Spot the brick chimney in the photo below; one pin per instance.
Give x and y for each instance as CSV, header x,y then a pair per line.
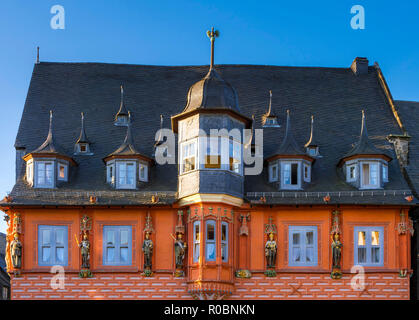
x,y
360,66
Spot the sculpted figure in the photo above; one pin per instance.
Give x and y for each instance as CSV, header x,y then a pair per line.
x,y
336,250
85,252
16,252
270,251
148,251
180,248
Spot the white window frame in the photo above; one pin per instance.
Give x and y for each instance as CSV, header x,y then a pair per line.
x,y
369,246
302,230
232,154
65,166
369,186
144,177
384,172
189,155
118,174
273,167
308,178
348,172
290,186
38,165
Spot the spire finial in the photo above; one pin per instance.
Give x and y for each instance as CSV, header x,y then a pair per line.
x,y
122,92
212,35
270,102
37,55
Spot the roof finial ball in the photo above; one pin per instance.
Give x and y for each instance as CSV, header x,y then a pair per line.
x,y
212,35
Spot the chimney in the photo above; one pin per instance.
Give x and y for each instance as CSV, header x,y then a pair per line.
x,y
401,147
360,66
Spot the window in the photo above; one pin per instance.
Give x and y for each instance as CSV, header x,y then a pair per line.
x,y
235,156
290,175
110,172
385,173
369,246
307,172
210,249
224,241
143,172
126,175
302,246
273,172
29,171
62,172
213,154
45,174
313,151
52,245
351,173
188,156
369,175
117,245
5,293
196,240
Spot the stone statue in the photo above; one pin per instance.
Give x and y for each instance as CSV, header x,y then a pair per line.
x,y
16,252
180,249
148,251
336,251
85,252
270,251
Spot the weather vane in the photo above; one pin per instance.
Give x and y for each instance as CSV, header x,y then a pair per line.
x,y
212,35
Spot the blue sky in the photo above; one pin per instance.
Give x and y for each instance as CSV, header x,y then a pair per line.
x,y
291,33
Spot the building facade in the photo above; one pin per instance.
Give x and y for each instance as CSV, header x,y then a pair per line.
x,y
279,183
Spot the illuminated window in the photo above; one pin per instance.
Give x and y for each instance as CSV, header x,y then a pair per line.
x,y
196,240
369,246
210,246
302,246
188,156
369,176
117,245
213,154
62,172
52,245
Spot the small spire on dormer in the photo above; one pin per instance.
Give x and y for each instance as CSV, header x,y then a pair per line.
x,y
289,146
121,118
312,146
127,147
37,55
269,119
82,144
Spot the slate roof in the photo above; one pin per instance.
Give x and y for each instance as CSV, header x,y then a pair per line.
x,y
409,113
335,96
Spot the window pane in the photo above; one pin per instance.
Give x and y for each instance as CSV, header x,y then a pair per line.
x,y
46,254
361,238
110,237
352,172
375,238
210,231
223,232
375,255
41,173
197,232
210,251
309,254
294,173
366,173
124,237
373,174
296,254
224,251
48,173
62,171
196,252
362,255
287,173
110,254
59,236
122,173
296,238
59,256
130,173
124,254
309,237
46,236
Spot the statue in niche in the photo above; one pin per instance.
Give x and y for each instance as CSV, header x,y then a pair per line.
x,y
16,252
336,256
85,252
180,251
270,251
148,253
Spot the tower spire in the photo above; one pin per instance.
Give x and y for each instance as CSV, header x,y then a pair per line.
x,y
212,35
37,55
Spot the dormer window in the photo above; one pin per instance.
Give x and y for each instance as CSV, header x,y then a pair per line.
x,y
110,172
29,171
273,172
369,175
351,174
44,174
269,119
125,172
62,171
143,172
313,151
270,122
307,172
82,146
122,117
385,172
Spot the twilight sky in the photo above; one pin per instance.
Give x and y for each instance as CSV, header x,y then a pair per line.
x,y
285,33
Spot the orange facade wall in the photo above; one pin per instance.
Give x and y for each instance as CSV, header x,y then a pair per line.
x,y
245,252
